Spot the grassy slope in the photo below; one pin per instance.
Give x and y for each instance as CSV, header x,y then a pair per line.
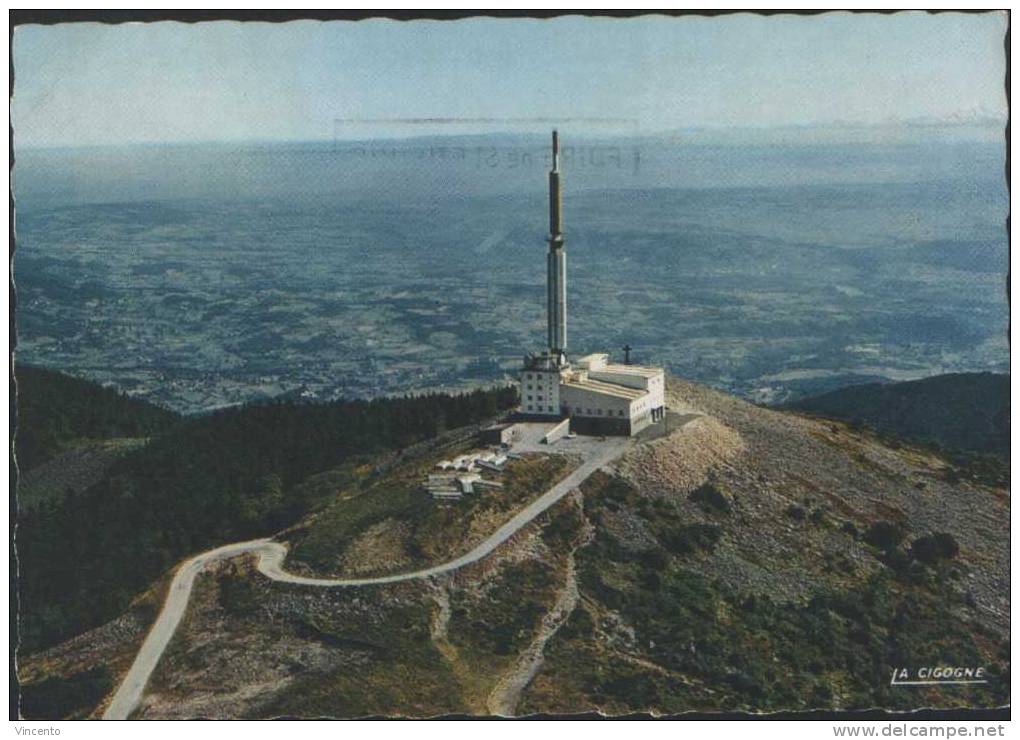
x,y
391,524
353,652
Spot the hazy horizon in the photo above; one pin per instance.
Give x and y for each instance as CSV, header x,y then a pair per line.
x,y
223,211
87,84
977,130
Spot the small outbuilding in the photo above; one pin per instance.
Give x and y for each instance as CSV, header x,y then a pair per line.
x,y
500,434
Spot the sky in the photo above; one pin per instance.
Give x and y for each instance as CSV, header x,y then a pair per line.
x,y
94,84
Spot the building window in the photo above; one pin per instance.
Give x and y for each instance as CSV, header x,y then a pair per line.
x,y
550,408
621,412
600,412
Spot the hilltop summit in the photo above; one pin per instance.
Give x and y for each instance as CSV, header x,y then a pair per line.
x,y
749,558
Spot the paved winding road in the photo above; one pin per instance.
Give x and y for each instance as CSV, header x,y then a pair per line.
x,y
271,557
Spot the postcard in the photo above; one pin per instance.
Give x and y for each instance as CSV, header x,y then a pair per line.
x,y
410,365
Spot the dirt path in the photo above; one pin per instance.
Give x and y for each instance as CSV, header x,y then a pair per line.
x,y
504,698
438,627
506,695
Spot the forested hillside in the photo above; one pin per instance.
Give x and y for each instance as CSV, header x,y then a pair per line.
x,y
56,410
209,480
961,411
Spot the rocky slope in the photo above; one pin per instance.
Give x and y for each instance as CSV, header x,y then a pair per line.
x,y
736,563
731,569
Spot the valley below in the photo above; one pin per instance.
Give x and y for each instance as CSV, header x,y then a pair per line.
x,y
362,270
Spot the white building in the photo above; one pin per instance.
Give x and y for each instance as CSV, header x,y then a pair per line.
x,y
598,396
540,390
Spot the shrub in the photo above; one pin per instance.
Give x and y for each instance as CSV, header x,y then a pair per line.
x,y
617,490
849,528
635,691
796,512
897,560
821,696
707,496
578,625
744,684
653,559
686,540
932,548
238,595
60,698
649,580
886,536
561,528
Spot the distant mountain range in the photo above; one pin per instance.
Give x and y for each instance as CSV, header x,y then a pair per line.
x,y
960,411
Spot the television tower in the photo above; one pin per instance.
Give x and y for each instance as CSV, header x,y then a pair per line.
x,y
557,263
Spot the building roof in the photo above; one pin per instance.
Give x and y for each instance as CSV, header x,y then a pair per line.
x,y
606,389
643,370
498,426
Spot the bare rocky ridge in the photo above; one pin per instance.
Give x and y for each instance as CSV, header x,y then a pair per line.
x,y
793,496
675,465
771,461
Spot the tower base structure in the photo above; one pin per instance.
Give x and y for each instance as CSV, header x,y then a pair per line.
x,y
599,397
